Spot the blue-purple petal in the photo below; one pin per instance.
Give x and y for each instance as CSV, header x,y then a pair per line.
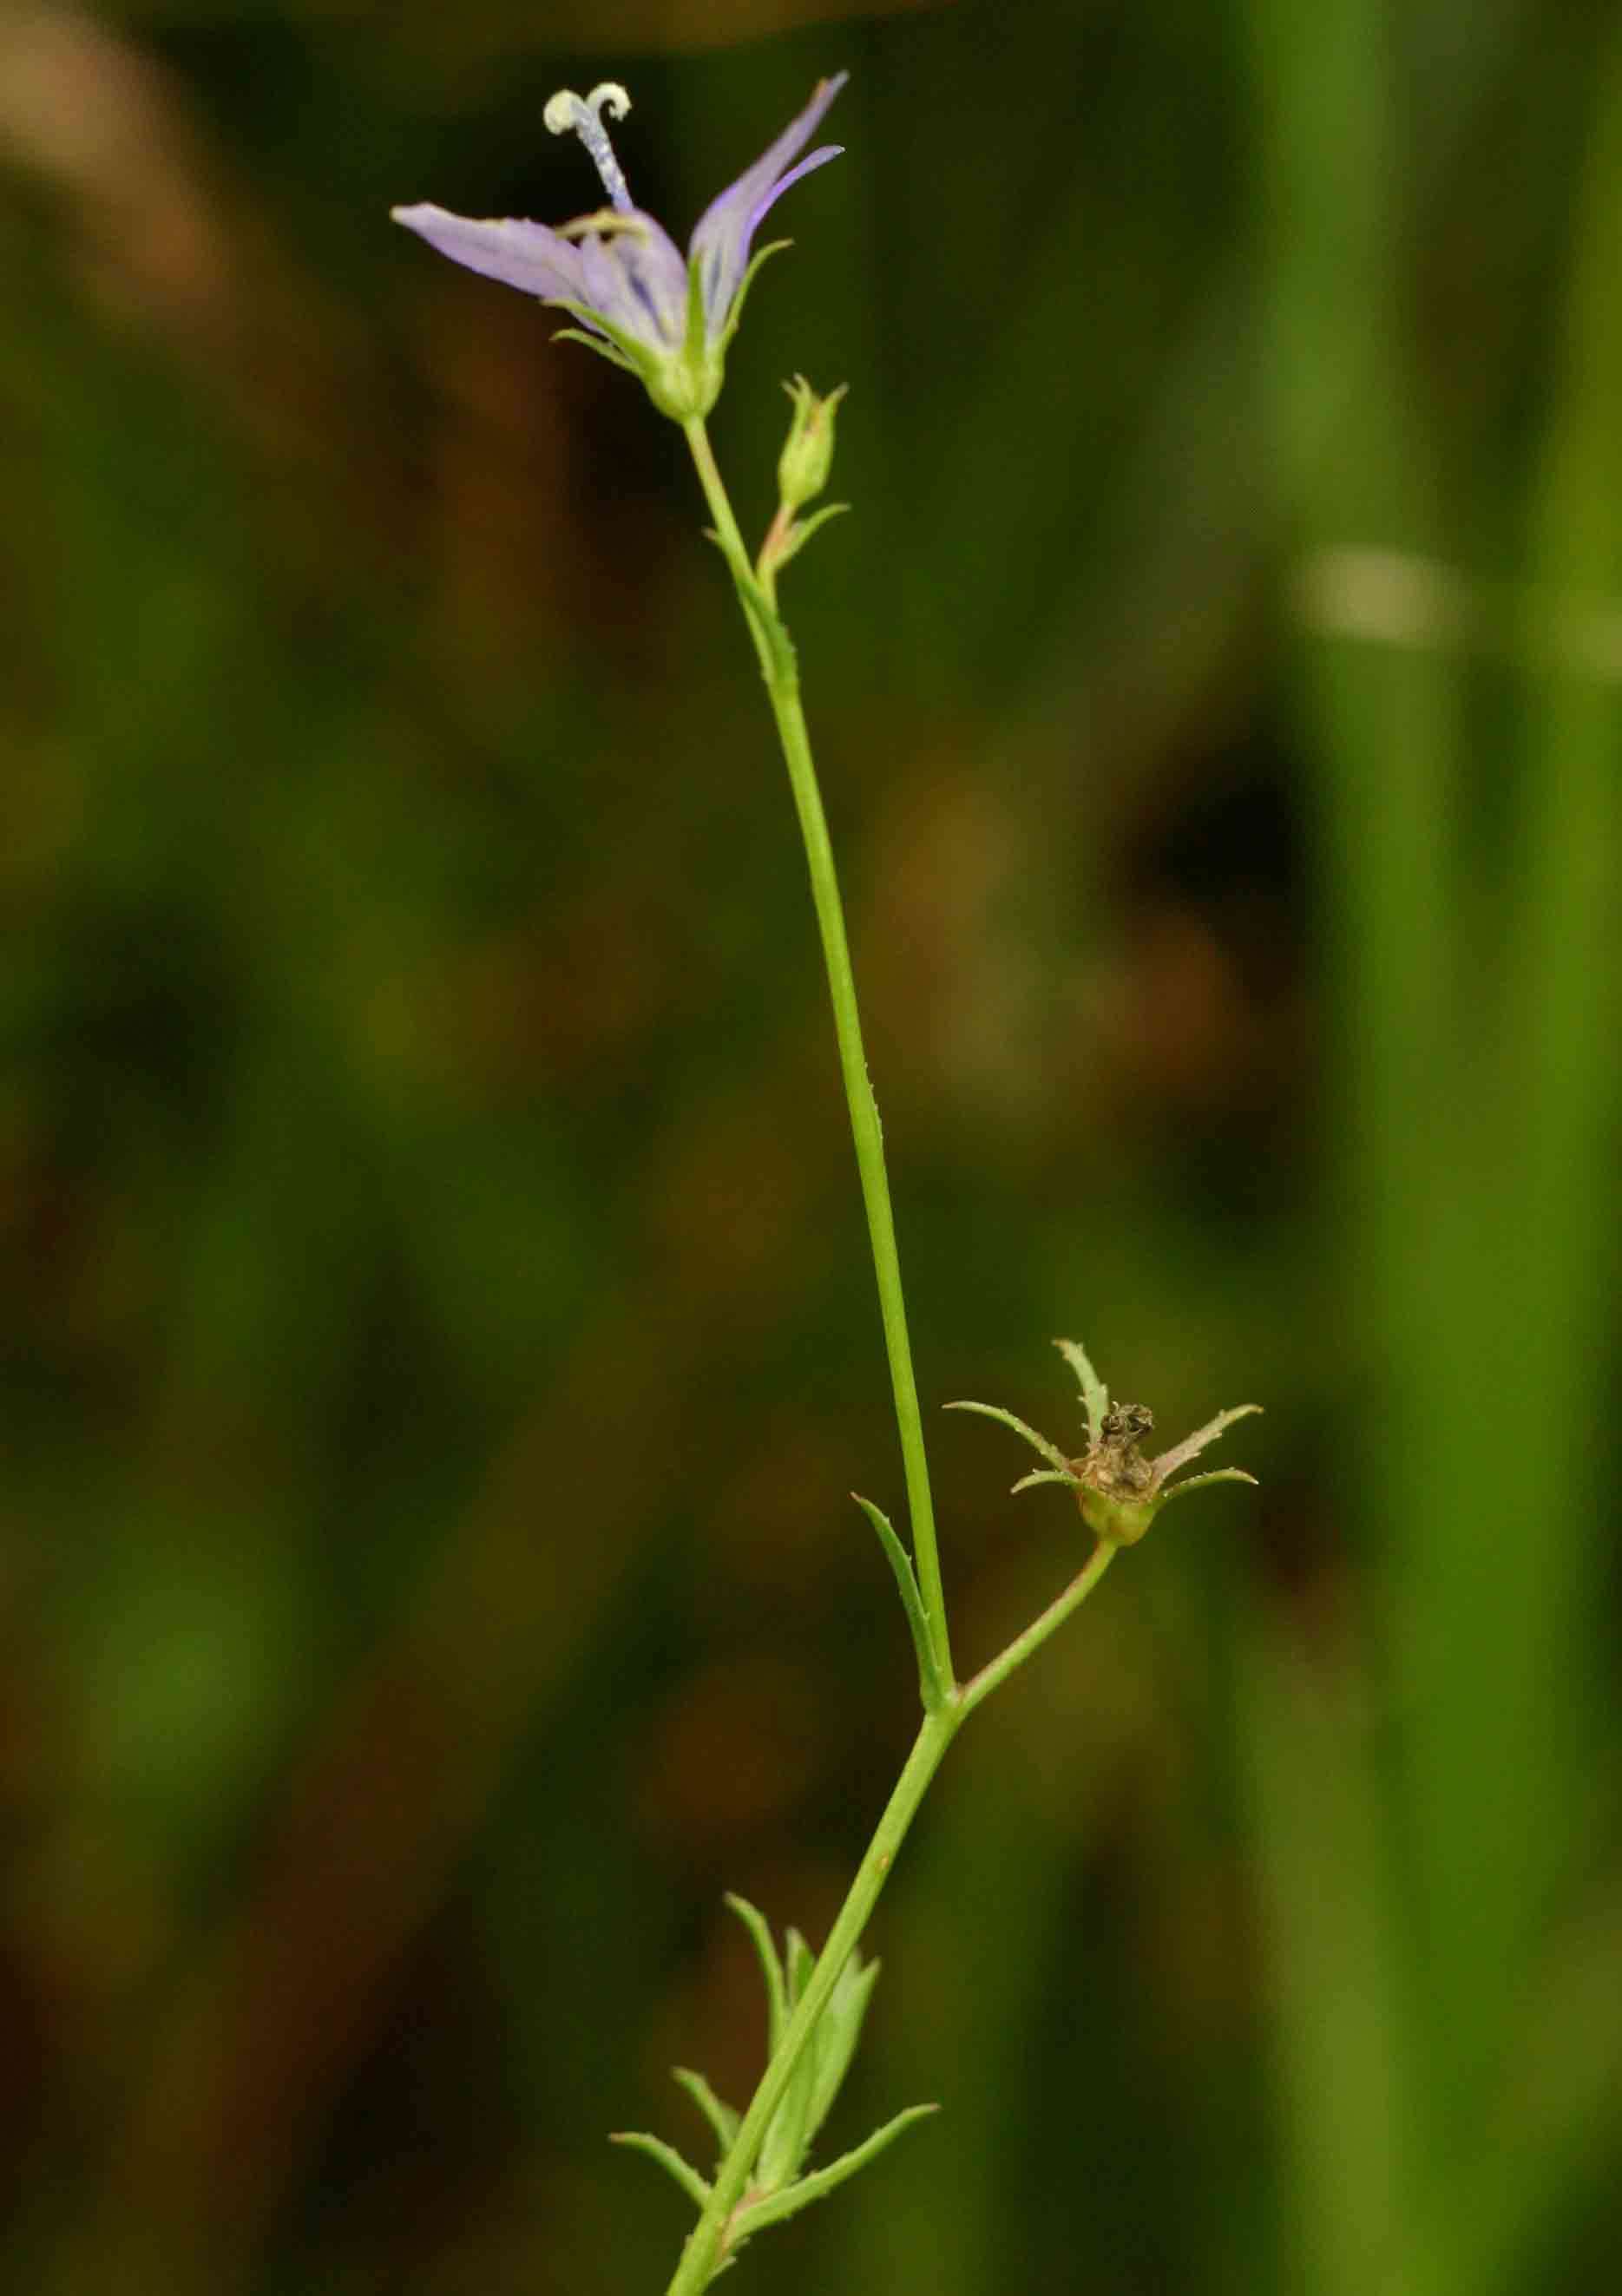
x,y
636,278
719,247
823,152
523,255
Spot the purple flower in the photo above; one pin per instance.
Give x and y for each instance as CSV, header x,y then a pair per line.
x,y
640,302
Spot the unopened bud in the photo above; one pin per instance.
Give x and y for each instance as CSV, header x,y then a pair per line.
x,y
807,455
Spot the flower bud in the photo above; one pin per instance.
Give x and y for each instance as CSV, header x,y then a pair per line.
x,y
807,455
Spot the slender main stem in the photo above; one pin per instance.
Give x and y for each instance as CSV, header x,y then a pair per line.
x,y
702,2253
776,656
707,2244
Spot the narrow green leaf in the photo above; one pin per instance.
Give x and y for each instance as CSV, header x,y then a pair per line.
x,y
778,2206
912,1602
1094,1394
637,2140
721,2117
1044,1475
1049,1451
776,2001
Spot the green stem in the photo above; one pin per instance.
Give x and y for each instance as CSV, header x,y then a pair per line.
x,y
991,1678
706,2247
703,2254
777,667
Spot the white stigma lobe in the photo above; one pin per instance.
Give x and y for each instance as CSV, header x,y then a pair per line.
x,y
567,113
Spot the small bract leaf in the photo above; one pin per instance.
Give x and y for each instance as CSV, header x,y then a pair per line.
x,y
759,1929
912,1602
637,2140
803,529
721,2117
778,2206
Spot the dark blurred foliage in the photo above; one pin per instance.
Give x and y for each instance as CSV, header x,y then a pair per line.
x,y
441,1336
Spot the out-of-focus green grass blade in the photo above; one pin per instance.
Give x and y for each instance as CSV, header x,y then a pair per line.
x,y
1347,423
1562,1066
1496,1570
1475,1093
1551,2129
1333,1959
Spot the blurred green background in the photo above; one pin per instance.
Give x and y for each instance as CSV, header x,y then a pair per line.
x,y
440,1335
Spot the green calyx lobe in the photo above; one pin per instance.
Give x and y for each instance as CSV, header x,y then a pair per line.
x,y
1118,1490
684,384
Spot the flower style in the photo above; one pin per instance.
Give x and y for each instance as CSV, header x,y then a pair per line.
x,y
666,318
1118,1490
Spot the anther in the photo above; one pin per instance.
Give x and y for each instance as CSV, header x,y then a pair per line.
x,y
567,112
